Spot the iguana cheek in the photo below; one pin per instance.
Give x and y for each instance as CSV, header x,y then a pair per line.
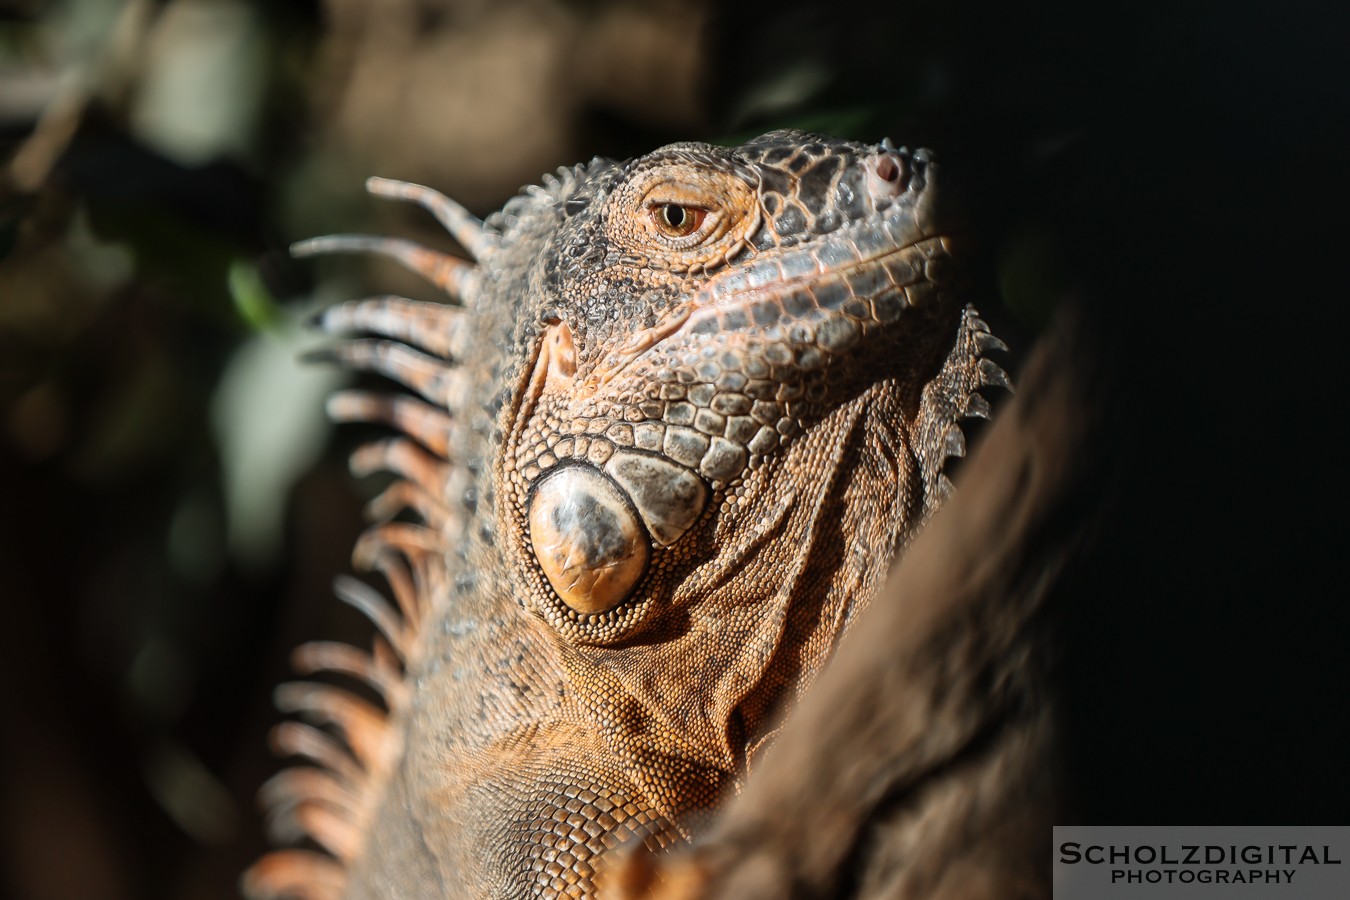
x,y
587,539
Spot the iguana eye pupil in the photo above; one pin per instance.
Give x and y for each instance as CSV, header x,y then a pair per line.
x,y
677,220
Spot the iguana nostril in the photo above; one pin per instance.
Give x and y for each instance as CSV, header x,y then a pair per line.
x,y
587,539
887,175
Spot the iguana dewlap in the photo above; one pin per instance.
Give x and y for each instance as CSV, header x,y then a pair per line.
x,y
669,435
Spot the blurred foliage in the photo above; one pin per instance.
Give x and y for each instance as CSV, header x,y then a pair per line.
x,y
174,506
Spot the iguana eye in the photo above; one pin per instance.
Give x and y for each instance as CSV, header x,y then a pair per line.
x,y
677,220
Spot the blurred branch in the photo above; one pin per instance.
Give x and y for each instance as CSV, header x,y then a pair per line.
x,y
108,75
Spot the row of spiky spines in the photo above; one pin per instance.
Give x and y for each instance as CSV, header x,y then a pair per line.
x,y
987,374
346,743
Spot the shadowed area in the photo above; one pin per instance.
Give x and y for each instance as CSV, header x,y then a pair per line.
x,y
175,505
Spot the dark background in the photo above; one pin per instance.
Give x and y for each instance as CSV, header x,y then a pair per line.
x,y
164,541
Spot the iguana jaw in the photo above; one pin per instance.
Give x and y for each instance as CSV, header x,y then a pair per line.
x,y
754,298
882,287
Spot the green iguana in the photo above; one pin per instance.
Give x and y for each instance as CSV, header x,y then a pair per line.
x,y
674,427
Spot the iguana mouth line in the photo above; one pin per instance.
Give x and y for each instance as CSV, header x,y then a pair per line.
x,y
744,298
709,303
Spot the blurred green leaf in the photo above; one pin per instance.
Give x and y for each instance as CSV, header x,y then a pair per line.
x,y
254,302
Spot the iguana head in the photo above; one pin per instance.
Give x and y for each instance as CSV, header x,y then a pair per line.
x,y
696,312
744,370
691,406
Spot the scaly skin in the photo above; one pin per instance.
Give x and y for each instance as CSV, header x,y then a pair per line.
x,y
662,473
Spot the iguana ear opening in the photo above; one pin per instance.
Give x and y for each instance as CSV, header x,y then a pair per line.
x,y
560,354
